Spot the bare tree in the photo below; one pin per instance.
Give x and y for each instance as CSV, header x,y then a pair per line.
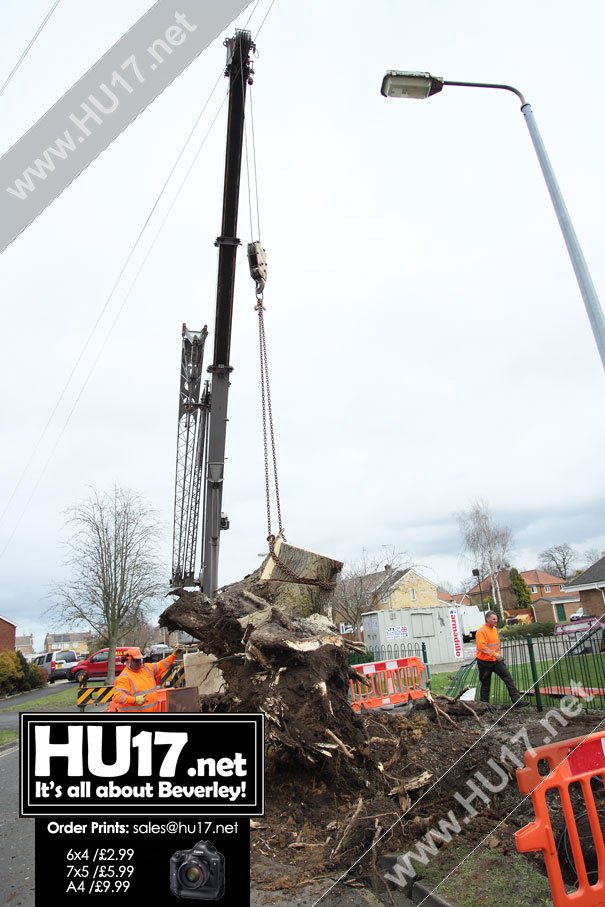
x,y
359,584
488,545
590,556
114,569
559,560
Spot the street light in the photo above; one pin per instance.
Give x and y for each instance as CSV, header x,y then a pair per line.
x,y
420,85
478,575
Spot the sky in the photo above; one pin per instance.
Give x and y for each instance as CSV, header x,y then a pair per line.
x,y
428,343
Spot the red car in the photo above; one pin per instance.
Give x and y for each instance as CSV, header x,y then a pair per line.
x,y
95,666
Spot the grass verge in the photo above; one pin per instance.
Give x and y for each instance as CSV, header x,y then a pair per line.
x,y
440,683
8,737
486,879
62,699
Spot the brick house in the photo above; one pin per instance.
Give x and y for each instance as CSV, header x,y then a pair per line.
x,y
384,590
556,608
541,586
403,589
25,644
590,586
8,632
78,641
459,598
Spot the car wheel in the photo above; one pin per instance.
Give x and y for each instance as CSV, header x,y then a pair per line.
x,y
81,677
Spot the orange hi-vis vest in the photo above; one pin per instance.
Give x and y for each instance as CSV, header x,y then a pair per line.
x,y
138,683
488,643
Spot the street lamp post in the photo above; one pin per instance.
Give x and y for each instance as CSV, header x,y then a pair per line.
x,y
397,84
478,575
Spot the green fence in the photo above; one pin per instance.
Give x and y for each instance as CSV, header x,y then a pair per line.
x,y
548,667
388,653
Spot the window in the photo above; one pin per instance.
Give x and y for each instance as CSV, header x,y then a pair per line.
x,y
533,589
384,598
413,594
100,656
547,588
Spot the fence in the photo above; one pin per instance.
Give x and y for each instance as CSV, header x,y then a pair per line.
x,y
389,653
388,683
549,667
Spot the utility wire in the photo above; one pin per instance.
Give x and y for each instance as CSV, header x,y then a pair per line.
x,y
29,46
110,296
104,344
93,330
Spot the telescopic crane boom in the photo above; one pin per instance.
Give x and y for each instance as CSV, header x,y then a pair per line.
x,y
213,406
239,70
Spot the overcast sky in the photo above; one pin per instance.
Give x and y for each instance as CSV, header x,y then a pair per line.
x,y
428,343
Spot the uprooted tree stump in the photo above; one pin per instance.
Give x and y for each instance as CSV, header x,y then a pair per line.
x,y
292,669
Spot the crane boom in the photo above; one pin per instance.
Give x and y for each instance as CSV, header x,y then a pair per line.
x,y
203,422
239,71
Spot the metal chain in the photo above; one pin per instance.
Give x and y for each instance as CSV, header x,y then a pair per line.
x,y
271,431
269,437
267,414
259,309
326,584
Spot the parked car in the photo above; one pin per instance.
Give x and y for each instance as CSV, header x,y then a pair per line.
x,y
584,633
56,664
580,626
95,666
157,652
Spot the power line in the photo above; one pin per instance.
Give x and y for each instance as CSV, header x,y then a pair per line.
x,y
29,46
108,300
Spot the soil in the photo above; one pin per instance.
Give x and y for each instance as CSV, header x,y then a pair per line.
x,y
345,790
316,829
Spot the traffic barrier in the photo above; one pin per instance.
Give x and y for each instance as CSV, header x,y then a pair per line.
x,y
93,696
390,683
548,775
174,676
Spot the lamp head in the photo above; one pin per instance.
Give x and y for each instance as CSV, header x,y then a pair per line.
x,y
398,84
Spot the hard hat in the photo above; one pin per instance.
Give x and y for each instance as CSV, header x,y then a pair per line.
x,y
134,652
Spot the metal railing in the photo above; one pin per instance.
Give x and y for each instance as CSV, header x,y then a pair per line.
x,y
387,653
548,667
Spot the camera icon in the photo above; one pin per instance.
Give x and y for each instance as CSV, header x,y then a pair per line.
x,y
198,873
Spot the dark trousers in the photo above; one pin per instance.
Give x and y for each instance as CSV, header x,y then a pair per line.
x,y
486,669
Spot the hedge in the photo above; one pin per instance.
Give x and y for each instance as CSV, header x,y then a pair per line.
x,y
516,631
17,675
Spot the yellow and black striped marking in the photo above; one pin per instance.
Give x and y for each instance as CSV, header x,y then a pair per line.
x,y
174,676
93,696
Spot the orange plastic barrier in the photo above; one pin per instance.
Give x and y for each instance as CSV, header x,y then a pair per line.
x,y
571,761
391,683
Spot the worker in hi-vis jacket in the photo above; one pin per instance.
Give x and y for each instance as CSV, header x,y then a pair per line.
x,y
490,659
136,688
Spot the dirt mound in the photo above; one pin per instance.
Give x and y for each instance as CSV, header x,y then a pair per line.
x,y
344,790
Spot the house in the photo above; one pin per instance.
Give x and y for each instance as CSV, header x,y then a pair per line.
x,y
590,586
403,589
555,608
25,644
79,641
459,598
384,590
8,632
541,585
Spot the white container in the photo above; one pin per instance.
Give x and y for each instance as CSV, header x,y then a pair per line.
x,y
439,628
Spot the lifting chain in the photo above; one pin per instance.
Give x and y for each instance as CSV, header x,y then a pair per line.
x,y
258,270
326,584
